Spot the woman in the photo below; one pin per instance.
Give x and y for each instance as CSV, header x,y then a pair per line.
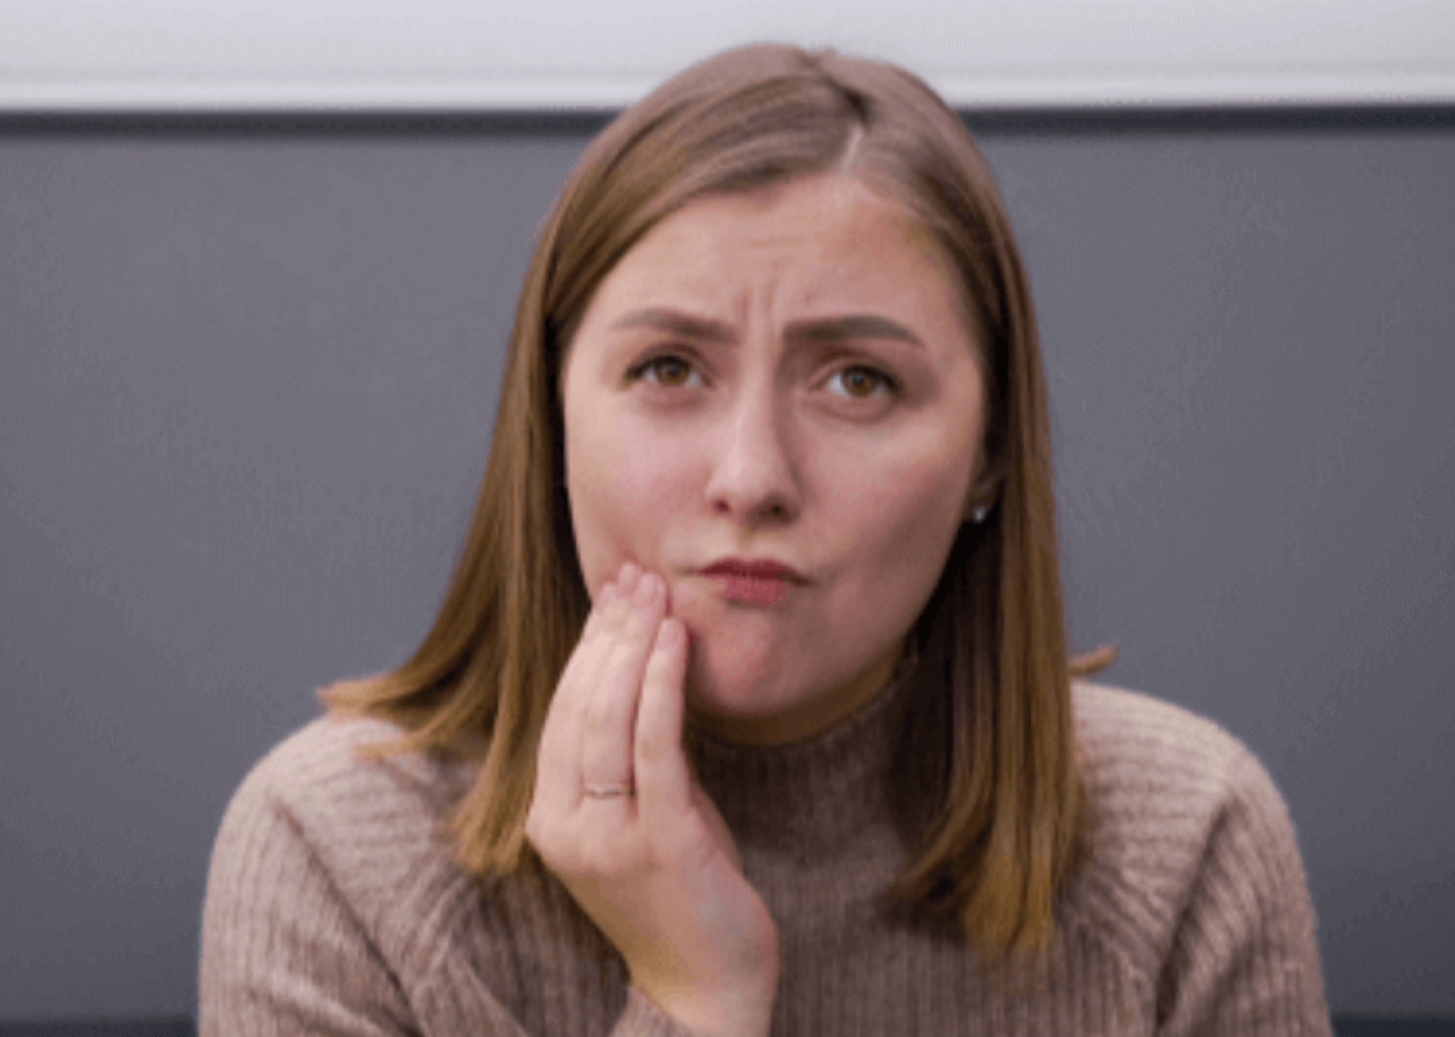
x,y
748,709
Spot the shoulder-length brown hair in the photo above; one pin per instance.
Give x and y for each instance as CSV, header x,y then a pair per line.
x,y
989,760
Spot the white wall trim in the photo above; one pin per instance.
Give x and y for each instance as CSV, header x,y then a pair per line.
x,y
459,55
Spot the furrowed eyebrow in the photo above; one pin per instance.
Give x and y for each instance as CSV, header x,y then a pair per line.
x,y
832,329
837,329
677,323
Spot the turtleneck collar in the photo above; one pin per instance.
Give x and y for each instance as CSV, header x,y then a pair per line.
x,y
809,797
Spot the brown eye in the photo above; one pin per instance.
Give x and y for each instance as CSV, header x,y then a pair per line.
x,y
858,378
860,381
670,371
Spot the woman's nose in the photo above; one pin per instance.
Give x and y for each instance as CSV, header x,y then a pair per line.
x,y
755,477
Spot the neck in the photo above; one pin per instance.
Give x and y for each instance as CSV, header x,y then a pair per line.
x,y
818,795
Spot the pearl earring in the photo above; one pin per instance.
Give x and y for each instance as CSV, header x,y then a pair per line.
x,y
979,515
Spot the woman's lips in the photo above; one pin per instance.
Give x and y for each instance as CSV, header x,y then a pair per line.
x,y
751,590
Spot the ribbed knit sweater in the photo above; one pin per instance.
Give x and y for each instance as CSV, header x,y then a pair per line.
x,y
334,906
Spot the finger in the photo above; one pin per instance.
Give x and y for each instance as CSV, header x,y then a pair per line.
x,y
664,781
608,612
610,716
558,756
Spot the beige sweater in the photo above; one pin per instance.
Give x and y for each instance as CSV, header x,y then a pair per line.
x,y
333,906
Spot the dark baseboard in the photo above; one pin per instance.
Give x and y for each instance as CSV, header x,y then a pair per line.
x,y
1344,1026
587,122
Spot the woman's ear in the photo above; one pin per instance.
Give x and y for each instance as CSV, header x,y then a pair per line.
x,y
983,493
976,511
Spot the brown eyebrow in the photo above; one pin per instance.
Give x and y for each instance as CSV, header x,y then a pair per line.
x,y
677,323
856,325
831,329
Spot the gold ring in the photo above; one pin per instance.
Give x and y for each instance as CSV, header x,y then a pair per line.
x,y
607,791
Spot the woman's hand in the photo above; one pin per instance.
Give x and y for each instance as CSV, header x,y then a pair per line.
x,y
657,872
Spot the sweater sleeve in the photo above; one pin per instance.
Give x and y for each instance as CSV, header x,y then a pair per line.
x,y
285,951
282,953
452,999
1245,960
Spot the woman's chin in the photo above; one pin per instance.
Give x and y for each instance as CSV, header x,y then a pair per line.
x,y
757,707
744,687
712,697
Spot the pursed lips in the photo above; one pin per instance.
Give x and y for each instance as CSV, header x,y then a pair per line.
x,y
753,582
755,569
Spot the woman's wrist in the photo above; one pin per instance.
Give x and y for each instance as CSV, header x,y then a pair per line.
x,y
744,1012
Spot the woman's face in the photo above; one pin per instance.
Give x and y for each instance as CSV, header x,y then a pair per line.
x,y
786,375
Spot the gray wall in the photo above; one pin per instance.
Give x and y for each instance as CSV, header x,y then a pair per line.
x,y
247,383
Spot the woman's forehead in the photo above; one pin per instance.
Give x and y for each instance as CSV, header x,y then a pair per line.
x,y
820,233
